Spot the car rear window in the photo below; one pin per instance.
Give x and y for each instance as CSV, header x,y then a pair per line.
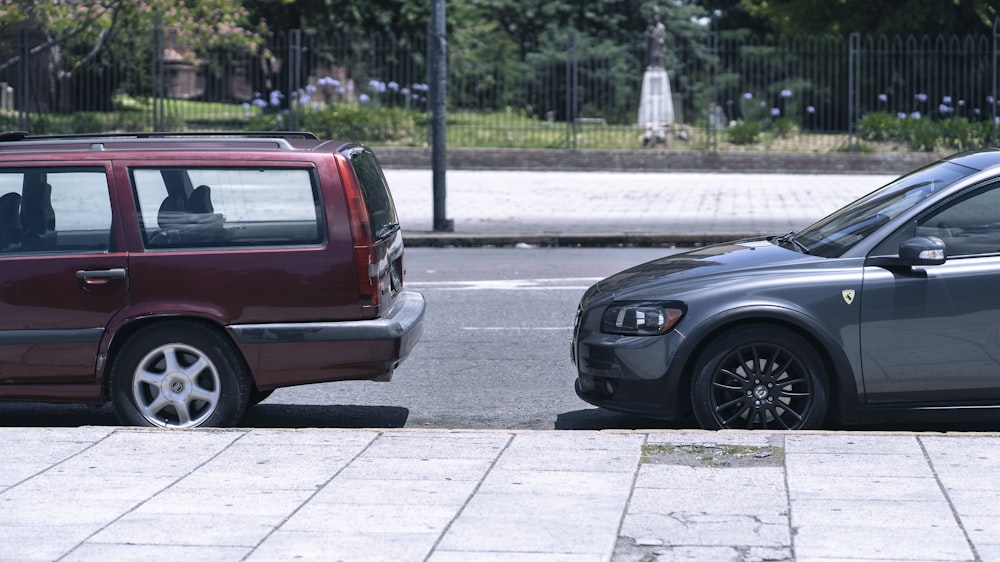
x,y
185,207
381,210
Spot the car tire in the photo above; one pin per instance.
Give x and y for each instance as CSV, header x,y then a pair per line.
x,y
179,374
760,377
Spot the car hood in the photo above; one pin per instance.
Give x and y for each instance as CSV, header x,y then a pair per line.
x,y
735,259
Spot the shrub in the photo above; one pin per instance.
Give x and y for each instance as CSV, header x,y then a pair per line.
x,y
879,126
920,134
744,132
348,121
783,127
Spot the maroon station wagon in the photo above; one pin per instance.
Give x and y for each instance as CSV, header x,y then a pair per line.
x,y
185,277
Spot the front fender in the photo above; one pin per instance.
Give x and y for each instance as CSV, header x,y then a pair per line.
x,y
845,373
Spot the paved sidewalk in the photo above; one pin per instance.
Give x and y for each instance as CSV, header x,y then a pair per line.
x,y
606,208
100,493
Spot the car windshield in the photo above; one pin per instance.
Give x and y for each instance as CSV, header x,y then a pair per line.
x,y
837,233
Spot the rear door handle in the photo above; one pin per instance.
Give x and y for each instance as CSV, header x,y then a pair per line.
x,y
100,276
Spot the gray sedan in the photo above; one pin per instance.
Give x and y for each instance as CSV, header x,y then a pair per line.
x,y
889,305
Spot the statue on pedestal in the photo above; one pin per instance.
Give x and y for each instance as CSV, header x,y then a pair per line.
x,y
656,39
656,105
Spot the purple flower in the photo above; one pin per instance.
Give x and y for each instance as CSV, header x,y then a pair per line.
x,y
310,88
775,112
883,98
786,93
394,86
915,115
748,96
944,108
946,99
810,109
921,97
901,115
363,98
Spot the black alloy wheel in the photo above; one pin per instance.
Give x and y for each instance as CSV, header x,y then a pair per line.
x,y
760,377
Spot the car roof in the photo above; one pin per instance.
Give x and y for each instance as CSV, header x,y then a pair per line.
x,y
21,142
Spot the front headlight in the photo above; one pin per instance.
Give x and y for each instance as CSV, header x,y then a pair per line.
x,y
641,318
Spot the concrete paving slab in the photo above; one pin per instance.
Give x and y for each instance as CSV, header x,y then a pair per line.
x,y
853,443
48,542
383,468
225,501
875,542
207,529
825,487
974,502
459,556
728,437
399,493
692,528
438,445
847,464
545,482
371,519
889,514
157,553
555,524
324,547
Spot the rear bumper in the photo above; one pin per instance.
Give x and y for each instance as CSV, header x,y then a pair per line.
x,y
297,353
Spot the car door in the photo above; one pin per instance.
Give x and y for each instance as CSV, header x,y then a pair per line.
x,y
932,334
61,275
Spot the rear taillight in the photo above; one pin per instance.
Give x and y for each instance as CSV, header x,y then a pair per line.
x,y
366,257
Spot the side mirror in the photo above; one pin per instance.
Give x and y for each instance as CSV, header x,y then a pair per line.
x,y
921,250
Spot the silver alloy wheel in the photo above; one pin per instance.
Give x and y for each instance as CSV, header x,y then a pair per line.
x,y
176,385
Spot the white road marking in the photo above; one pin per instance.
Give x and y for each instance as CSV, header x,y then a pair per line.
x,y
573,283
503,328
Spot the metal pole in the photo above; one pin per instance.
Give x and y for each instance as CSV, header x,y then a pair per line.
x,y
294,75
439,94
158,90
24,85
711,126
853,93
996,80
571,83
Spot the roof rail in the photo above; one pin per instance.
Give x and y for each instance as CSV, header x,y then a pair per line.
x,y
22,135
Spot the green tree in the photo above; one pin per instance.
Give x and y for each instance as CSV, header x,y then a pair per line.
x,y
889,17
72,33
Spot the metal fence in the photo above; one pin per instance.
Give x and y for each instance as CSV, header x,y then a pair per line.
x,y
573,91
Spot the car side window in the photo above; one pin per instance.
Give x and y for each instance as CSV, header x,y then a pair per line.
x,y
969,225
227,207
54,210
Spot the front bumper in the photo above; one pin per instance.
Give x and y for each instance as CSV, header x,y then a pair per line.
x,y
640,375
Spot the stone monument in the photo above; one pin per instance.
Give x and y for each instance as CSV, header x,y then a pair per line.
x,y
656,105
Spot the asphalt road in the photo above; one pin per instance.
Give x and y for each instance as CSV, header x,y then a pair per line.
x,y
495,354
